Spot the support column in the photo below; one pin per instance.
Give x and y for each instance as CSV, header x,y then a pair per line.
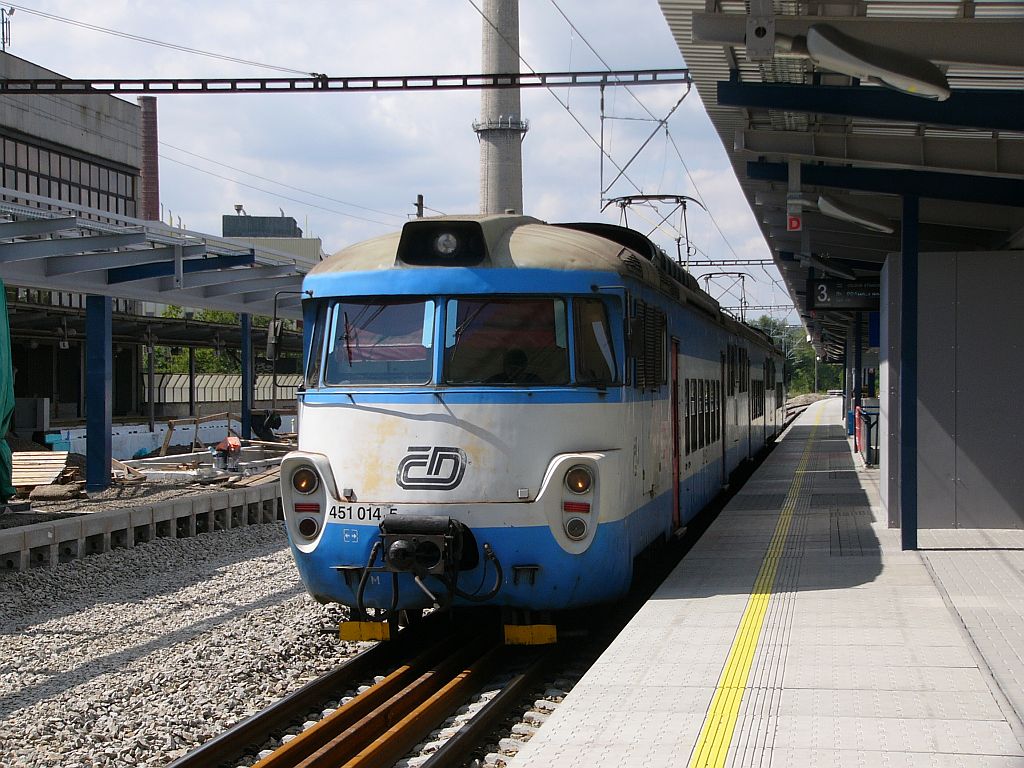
x,y
908,375
191,381
151,380
98,391
858,361
247,383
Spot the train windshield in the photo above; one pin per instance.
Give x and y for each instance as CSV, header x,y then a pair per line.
x,y
379,342
505,341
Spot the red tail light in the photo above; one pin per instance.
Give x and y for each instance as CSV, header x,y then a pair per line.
x,y
308,507
575,506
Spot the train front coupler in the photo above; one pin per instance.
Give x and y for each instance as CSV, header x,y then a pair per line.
x,y
424,546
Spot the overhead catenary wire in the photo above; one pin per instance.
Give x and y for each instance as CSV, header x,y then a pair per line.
x,y
280,183
663,122
600,58
151,41
668,135
710,214
276,194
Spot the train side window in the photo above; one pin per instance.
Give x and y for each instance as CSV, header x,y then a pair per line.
x,y
702,438
711,411
718,411
721,411
316,349
714,411
595,357
692,417
707,412
716,419
686,415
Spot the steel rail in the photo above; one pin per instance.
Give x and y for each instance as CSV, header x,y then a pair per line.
x,y
405,734
457,749
355,719
383,722
284,712
279,715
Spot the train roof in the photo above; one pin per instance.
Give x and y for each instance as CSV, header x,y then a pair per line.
x,y
523,242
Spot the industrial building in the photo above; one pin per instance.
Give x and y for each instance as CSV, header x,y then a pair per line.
x,y
80,177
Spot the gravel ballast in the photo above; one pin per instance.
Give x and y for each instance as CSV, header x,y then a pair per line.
x,y
135,656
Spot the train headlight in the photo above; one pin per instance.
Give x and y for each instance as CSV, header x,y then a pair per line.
x,y
576,528
446,244
579,479
305,480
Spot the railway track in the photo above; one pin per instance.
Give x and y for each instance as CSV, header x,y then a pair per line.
x,y
448,662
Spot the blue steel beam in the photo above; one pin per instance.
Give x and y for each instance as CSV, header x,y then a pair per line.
x,y
247,371
94,262
994,110
166,269
98,391
934,184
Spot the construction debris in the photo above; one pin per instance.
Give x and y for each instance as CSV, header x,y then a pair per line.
x,y
232,460
57,492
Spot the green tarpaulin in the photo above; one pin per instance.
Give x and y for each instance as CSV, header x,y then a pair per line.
x,y
6,398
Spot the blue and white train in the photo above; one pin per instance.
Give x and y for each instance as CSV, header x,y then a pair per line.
x,y
499,410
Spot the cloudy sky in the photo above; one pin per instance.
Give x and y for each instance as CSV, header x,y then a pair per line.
x,y
349,166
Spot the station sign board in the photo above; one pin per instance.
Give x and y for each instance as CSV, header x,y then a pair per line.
x,y
857,295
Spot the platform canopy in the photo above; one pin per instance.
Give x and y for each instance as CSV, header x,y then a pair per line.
x,y
834,113
58,246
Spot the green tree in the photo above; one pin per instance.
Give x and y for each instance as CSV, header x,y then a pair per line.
x,y
208,359
800,358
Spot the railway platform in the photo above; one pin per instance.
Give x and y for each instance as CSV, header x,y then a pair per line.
x,y
797,633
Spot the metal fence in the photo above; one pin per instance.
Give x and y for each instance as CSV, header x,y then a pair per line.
x,y
220,387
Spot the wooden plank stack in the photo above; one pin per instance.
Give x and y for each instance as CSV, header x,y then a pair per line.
x,y
32,468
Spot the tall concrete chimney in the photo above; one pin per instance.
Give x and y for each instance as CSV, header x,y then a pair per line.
x,y
501,127
149,187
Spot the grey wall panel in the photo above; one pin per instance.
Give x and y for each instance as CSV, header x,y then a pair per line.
x,y
888,399
936,387
989,370
101,125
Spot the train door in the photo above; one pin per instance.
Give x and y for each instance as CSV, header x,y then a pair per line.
x,y
676,432
723,419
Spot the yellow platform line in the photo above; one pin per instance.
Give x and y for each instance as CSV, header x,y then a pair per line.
x,y
712,745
